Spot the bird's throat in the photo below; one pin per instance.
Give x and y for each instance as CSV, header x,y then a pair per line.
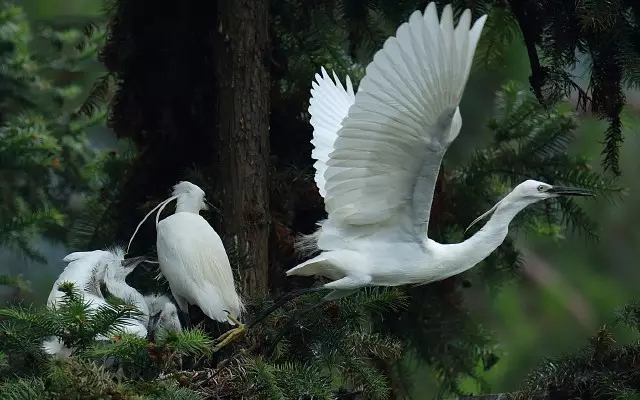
x,y
188,204
478,247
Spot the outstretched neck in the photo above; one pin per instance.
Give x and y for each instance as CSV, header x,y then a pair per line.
x,y
486,240
128,294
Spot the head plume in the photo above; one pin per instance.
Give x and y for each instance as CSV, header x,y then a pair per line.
x,y
184,187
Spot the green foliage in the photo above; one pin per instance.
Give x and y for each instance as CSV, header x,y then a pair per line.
x,y
600,370
530,143
500,30
327,350
26,372
95,225
15,281
558,33
338,352
354,345
43,147
74,321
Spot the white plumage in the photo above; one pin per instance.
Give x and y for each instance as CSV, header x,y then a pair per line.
x,y
87,270
164,314
378,155
192,257
115,281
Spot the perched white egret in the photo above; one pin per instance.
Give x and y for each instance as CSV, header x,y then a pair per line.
x,y
193,259
87,270
163,314
378,153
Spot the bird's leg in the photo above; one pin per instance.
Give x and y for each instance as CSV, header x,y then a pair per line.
x,y
231,334
282,300
187,319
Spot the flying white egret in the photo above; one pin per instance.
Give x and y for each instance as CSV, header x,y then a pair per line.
x,y
378,153
163,314
87,270
193,259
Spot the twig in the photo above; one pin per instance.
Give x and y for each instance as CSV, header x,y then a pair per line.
x,y
538,74
281,301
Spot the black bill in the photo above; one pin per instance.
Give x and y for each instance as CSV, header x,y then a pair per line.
x,y
570,191
133,261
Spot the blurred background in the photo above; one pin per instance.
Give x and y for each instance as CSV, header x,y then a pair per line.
x,y
569,285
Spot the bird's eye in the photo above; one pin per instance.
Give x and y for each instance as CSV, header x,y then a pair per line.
x,y
540,188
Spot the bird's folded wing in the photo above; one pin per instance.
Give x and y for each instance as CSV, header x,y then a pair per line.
x,y
197,263
328,106
388,151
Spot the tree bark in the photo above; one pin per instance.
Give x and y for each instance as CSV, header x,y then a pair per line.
x,y
242,139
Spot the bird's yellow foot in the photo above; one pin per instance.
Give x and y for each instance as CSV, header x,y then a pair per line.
x,y
229,335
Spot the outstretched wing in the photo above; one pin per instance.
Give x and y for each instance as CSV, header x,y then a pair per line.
x,y
388,151
328,106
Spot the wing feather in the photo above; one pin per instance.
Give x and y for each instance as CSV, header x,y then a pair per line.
x,y
328,106
387,150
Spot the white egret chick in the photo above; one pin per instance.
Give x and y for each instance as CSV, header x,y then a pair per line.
x,y
163,314
193,259
87,270
378,153
84,269
115,281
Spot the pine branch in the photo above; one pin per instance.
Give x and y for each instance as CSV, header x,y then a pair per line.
x,y
530,36
98,95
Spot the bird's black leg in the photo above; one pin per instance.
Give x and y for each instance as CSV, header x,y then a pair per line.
x,y
153,322
282,300
187,319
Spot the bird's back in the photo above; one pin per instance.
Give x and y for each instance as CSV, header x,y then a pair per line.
x,y
193,259
80,272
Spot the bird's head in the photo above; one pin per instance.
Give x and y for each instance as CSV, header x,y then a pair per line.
x,y
532,191
188,193
118,268
169,320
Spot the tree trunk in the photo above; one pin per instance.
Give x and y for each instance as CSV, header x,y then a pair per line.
x,y
242,139
161,56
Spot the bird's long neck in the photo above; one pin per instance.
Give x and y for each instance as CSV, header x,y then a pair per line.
x,y
486,240
119,288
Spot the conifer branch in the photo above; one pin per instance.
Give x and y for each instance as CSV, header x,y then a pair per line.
x,y
530,37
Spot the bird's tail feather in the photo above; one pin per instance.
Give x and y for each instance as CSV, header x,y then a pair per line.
x,y
309,267
306,245
339,293
215,306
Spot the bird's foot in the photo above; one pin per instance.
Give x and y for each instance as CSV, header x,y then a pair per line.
x,y
229,335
